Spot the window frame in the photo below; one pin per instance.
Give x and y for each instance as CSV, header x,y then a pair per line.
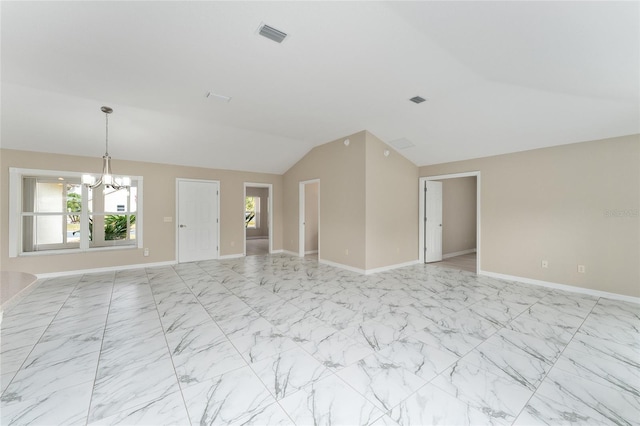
x,y
16,176
256,208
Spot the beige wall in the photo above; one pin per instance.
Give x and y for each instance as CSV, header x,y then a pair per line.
x,y
571,204
159,202
458,214
311,217
391,206
368,203
341,170
262,231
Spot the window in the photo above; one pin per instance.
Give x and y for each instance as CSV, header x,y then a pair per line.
x,y
252,212
53,212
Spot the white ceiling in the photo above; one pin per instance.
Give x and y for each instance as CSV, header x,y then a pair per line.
x,y
500,77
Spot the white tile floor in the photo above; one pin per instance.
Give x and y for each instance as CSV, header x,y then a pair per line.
x,y
280,340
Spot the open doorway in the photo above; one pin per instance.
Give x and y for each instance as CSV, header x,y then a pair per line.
x,y
257,219
453,238
309,232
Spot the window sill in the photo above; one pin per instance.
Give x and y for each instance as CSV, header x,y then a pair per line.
x,y
77,251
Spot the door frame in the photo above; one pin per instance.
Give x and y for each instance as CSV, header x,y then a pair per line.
x,y
425,204
177,217
269,207
421,212
301,216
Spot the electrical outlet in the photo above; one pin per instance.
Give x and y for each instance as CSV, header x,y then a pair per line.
x,y
346,251
581,269
146,252
545,264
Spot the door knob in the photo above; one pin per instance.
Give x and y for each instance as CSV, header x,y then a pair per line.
x,y
183,226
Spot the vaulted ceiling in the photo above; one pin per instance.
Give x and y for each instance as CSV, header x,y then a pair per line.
x,y
499,77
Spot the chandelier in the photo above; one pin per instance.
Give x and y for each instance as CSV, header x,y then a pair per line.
x,y
107,178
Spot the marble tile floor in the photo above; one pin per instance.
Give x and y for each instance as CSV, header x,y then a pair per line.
x,y
279,340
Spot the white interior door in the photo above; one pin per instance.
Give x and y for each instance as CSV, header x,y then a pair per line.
x,y
198,219
433,221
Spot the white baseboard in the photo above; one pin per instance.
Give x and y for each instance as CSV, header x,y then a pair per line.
x,y
458,253
290,253
565,287
311,252
18,297
368,271
258,237
231,256
390,267
341,266
107,269
277,251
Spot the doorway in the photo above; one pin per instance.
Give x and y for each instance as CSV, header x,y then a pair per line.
x,y
457,197
258,220
198,213
309,230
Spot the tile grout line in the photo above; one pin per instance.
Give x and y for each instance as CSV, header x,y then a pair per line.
x,y
331,372
43,331
557,359
164,335
104,331
229,340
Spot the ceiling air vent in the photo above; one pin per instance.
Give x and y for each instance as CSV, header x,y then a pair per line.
x,y
402,143
417,99
271,33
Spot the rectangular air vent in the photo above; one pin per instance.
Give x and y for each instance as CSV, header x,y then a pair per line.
x,y
271,33
417,99
402,143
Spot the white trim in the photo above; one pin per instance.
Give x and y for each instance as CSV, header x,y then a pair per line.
x,y
311,252
55,252
15,203
139,213
458,253
301,215
341,266
19,296
15,212
177,221
290,253
270,212
280,251
368,271
258,237
565,287
231,256
390,267
421,181
105,269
